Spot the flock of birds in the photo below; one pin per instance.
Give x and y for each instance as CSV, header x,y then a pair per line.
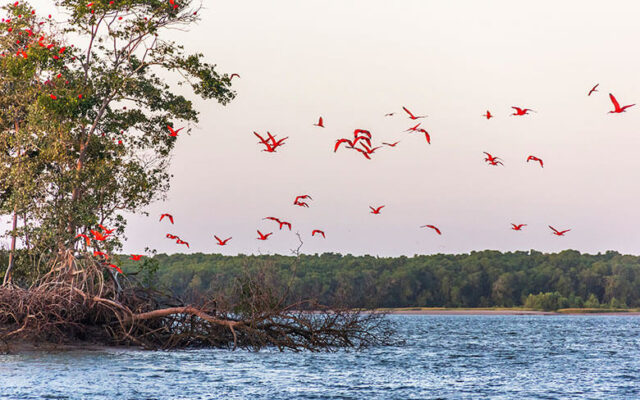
x,y
362,142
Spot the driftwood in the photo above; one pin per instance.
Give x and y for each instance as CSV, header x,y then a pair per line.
x,y
83,300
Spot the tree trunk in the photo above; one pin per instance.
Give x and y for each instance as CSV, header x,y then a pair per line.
x,y
12,251
7,275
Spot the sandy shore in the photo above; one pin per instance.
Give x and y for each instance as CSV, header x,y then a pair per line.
x,y
504,311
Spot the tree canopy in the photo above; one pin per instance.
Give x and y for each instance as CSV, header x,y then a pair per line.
x,y
479,279
85,112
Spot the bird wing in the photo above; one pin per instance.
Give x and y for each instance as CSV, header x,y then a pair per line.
x,y
408,112
363,131
614,101
553,229
339,142
263,140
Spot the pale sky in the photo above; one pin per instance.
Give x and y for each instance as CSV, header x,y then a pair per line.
x,y
352,61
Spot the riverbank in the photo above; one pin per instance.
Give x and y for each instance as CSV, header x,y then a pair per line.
x,y
507,311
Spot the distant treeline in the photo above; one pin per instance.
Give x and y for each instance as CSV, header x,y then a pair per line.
x,y
479,279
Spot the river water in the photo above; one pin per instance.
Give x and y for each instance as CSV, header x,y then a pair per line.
x,y
447,357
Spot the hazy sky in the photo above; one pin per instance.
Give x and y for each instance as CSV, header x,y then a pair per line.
x,y
352,61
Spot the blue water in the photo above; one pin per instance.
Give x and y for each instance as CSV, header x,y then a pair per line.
x,y
450,357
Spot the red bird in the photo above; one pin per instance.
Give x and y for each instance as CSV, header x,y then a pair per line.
x,y
234,75
105,230
263,236
492,160
271,144
318,231
521,111
101,254
517,227
376,210
432,227
99,236
180,241
281,223
618,109
593,89
320,123
284,223
53,97
389,114
361,131
116,268
168,216
220,241
391,144
301,197
558,233
426,134
170,236
174,133
411,115
534,158
86,238
135,257
488,115
340,141
414,128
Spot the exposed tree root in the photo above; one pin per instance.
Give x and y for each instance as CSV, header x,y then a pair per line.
x,y
80,300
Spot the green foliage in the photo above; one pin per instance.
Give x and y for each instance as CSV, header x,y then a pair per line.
x,y
479,279
84,110
547,301
592,302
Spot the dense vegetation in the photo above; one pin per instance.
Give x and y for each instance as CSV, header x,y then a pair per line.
x,y
480,279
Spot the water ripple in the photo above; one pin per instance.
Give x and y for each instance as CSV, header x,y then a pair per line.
x,y
443,357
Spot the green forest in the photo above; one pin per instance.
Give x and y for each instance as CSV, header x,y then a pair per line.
x,y
479,279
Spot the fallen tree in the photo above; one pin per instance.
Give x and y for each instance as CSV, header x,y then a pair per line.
x,y
81,299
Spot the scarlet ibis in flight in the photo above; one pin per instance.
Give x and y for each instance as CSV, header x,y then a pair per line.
x,y
432,227
521,111
319,232
593,89
616,105
320,123
264,236
534,158
116,268
168,216
220,241
492,160
517,227
98,236
101,254
414,128
301,197
557,232
411,116
174,132
376,210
